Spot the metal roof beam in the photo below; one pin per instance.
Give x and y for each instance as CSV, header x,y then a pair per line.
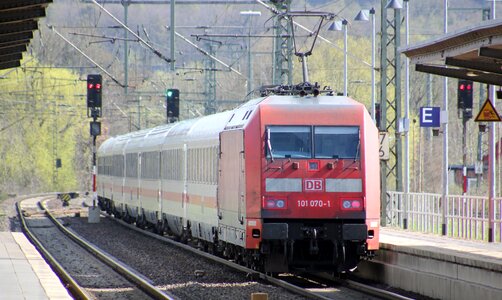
x,y
14,43
490,52
15,37
16,4
22,15
11,57
12,49
474,65
18,27
488,78
182,2
8,65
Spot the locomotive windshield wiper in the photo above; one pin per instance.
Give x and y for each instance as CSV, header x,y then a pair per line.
x,y
357,151
269,145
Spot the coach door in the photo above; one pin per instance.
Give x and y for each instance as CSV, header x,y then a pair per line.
x,y
231,184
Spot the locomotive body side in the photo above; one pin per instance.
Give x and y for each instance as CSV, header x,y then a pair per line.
x,y
198,188
104,181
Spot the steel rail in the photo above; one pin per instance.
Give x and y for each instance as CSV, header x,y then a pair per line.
x,y
252,273
374,291
75,289
114,264
361,287
351,284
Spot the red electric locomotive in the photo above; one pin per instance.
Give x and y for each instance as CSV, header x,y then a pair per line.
x,y
305,174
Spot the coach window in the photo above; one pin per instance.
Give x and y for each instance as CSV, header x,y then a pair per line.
x,y
289,142
336,142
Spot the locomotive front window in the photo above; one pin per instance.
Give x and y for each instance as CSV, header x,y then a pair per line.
x,y
289,142
337,142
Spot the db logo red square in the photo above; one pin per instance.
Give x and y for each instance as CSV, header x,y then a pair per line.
x,y
313,185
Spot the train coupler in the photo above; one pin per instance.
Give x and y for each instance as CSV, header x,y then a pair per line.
x,y
313,247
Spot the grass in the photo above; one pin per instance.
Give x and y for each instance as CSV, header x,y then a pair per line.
x,y
3,196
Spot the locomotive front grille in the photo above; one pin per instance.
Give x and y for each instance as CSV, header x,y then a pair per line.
x,y
303,231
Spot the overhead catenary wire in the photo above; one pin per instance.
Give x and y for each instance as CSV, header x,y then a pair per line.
x,y
209,55
275,11
86,56
155,51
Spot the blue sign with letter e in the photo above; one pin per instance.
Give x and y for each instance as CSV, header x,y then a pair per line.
x,y
430,116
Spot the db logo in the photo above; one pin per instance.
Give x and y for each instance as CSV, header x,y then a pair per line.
x,y
313,185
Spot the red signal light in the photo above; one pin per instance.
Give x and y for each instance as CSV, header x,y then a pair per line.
x,y
90,86
469,87
461,87
98,86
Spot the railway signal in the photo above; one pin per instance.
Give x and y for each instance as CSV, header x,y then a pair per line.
x,y
173,105
95,128
464,98
94,90
94,97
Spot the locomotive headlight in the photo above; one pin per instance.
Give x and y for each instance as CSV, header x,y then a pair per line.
x,y
274,204
346,204
351,204
280,203
270,204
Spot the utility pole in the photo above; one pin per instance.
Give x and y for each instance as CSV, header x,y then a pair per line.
x,y
491,161
210,83
55,146
445,192
390,105
173,35
125,3
283,46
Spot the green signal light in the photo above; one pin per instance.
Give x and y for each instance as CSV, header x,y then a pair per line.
x,y
169,93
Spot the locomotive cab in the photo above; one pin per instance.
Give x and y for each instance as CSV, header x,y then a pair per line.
x,y
314,188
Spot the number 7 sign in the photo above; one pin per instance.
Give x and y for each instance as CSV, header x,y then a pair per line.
x,y
384,146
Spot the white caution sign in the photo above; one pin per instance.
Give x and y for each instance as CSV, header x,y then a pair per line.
x,y
384,146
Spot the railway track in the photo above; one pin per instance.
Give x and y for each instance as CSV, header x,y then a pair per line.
x,y
188,273
310,286
87,273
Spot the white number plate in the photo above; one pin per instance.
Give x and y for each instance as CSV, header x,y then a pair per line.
x,y
314,203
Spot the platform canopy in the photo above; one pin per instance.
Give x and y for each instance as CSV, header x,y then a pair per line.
x,y
474,53
18,20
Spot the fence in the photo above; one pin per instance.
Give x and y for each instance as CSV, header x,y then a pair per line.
x,y
465,217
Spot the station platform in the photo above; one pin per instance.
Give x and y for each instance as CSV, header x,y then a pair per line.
x,y
436,266
442,247
24,273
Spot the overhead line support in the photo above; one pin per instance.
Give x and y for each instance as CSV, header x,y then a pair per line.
x,y
86,56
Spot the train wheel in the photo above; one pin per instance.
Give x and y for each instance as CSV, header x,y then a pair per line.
x,y
127,218
140,223
159,228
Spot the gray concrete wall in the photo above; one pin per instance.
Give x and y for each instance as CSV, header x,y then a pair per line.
x,y
435,274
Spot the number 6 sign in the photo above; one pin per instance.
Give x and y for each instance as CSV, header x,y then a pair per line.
x,y
384,146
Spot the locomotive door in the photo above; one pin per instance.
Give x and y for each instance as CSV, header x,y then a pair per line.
x,y
231,184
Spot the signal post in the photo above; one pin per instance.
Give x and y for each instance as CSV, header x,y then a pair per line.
x,y
94,92
464,106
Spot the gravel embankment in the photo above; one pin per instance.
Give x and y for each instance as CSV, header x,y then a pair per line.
x,y
97,278
8,215
184,274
